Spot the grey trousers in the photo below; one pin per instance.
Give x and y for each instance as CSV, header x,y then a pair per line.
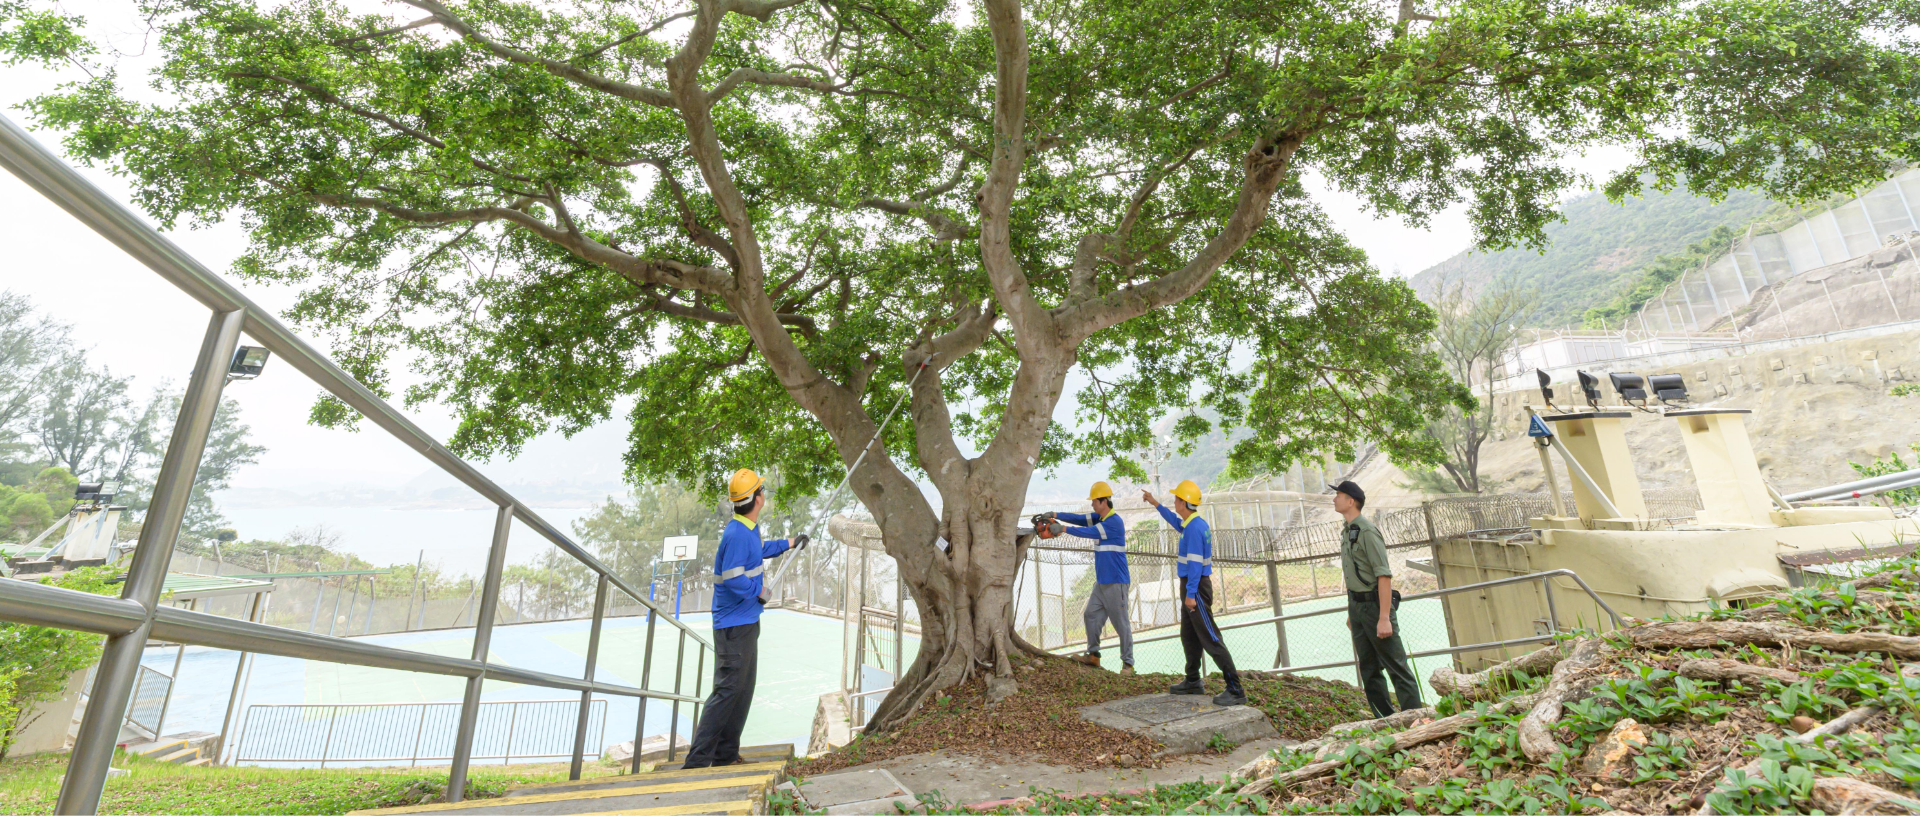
x,y
1109,603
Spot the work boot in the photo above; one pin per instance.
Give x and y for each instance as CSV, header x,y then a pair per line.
x,y
1087,660
1191,685
1231,697
1127,670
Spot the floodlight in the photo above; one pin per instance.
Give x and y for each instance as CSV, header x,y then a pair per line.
x,y
247,363
1590,386
95,492
1546,386
1669,387
1630,387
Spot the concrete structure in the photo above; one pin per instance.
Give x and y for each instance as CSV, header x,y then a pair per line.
x,y
1646,567
1183,723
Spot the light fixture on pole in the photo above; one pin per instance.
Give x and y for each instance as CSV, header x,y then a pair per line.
x,y
247,363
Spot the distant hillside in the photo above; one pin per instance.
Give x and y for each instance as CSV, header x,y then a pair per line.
x,y
1597,249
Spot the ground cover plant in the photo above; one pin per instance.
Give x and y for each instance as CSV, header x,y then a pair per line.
x,y
1046,723
1805,701
30,785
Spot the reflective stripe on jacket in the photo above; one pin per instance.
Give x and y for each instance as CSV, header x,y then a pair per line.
x,y
738,570
1196,547
1109,534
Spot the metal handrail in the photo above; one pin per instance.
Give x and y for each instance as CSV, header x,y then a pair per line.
x,y
131,620
53,178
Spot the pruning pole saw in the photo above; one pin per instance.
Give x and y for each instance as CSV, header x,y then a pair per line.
x,y
781,573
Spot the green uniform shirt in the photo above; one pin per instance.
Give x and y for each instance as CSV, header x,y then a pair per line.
x,y
1363,555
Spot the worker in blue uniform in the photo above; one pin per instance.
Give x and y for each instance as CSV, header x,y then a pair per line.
x,y
738,596
1198,632
1112,583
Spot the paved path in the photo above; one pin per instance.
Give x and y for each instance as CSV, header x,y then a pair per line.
x,y
964,779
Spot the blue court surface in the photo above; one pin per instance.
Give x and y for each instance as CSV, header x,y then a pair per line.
x,y
800,659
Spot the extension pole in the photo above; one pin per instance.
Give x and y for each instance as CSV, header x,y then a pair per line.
x,y
788,562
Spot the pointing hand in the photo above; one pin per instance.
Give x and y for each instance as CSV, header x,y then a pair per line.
x,y
1147,496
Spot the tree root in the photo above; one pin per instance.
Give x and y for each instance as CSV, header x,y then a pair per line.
x,y
1832,728
1724,671
1494,680
1264,780
1706,634
1536,729
1847,795
1886,579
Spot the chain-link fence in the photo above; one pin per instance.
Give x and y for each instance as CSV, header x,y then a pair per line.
x,y
1279,594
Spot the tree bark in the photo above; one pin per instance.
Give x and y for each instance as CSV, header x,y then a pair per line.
x,y
1491,682
1723,670
1536,735
1847,795
1707,634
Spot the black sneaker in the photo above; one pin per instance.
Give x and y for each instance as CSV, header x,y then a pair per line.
x,y
1230,697
1188,687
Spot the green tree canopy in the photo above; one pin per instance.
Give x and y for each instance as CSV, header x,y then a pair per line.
x,y
758,218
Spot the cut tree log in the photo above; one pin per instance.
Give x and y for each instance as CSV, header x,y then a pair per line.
x,y
1706,634
1417,735
1832,728
1491,682
1536,729
1724,670
1847,795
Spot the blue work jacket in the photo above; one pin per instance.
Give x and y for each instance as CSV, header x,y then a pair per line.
x,y
1196,548
1109,534
737,572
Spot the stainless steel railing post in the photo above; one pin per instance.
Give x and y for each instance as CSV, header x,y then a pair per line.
x,y
482,637
646,677
679,673
113,683
699,682
586,697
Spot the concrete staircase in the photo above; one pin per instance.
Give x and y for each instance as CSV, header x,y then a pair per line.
x,y
184,749
669,790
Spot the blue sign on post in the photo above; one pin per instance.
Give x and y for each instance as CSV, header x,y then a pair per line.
x,y
1537,428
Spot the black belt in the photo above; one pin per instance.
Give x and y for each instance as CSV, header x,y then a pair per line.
x,y
1372,596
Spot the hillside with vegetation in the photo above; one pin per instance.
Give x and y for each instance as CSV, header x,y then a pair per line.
x,y
1599,250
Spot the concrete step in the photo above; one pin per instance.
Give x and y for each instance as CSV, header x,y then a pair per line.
x,y
202,762
779,752
156,748
737,790
656,778
181,757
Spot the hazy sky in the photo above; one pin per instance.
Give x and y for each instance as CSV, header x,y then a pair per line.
x,y
136,323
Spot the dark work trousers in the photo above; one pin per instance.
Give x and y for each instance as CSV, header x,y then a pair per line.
x,y
1198,634
736,655
1379,658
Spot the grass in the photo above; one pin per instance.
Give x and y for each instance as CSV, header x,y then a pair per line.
x,y
30,785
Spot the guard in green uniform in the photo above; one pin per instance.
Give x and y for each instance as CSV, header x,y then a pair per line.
x,y
1373,606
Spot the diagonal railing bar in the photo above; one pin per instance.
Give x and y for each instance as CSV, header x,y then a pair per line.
x,y
131,620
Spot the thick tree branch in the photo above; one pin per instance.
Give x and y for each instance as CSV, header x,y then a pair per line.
x,y
772,79
584,78
1032,326
1266,164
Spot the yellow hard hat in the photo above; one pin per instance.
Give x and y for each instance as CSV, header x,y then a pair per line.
x,y
1101,490
740,488
1189,492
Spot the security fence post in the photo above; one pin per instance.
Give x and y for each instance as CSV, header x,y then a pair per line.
x,y
1279,627
147,574
482,637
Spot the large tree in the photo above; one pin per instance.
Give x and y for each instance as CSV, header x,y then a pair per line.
x,y
761,219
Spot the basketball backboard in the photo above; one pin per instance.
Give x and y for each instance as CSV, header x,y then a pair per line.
x,y
680,548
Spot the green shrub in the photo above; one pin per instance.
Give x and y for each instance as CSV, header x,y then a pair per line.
x,y
35,661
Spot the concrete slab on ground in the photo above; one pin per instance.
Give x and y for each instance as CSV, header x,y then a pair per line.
x,y
867,790
1184,723
965,779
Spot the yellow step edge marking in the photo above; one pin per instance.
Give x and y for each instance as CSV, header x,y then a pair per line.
x,y
742,807
511,802
764,767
